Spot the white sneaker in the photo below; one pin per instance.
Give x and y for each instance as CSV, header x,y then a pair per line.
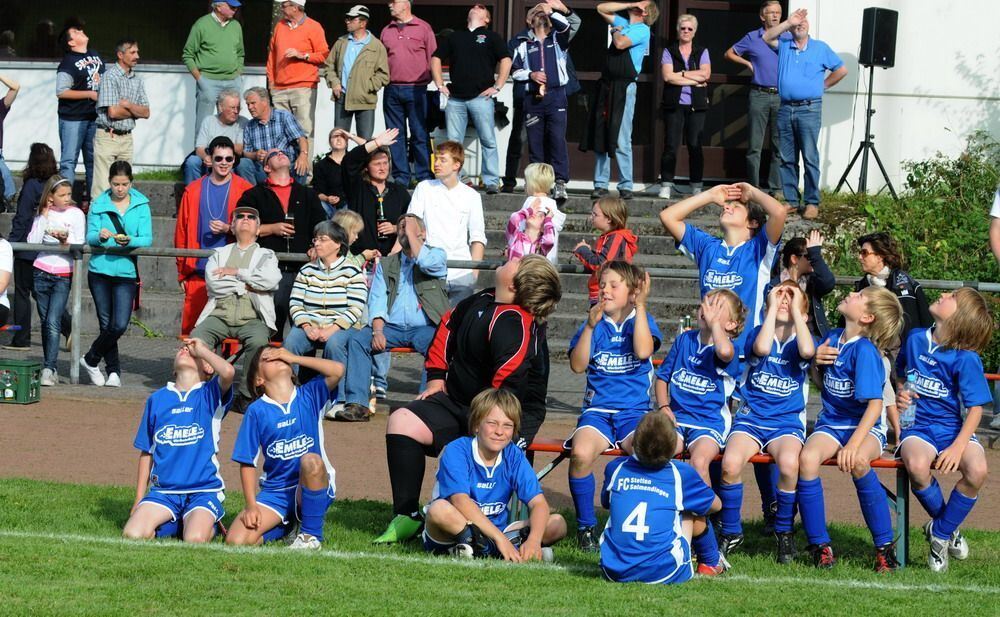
x,y
696,187
958,548
49,377
94,372
666,191
113,381
331,413
305,542
937,557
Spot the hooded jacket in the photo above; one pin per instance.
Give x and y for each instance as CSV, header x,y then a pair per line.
x,y
620,244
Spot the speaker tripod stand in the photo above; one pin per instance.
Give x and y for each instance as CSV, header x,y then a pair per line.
x,y
866,145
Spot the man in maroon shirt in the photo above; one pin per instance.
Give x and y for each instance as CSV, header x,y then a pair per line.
x,y
410,43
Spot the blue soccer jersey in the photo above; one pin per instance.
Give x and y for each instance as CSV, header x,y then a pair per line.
x,y
700,383
461,471
775,391
616,379
947,379
283,434
181,431
855,377
745,269
642,540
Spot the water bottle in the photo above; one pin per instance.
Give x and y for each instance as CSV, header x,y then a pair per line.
x,y
908,415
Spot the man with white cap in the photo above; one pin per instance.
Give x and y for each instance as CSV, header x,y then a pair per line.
x,y
214,55
356,69
294,55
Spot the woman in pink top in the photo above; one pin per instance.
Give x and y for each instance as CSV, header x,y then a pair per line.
x,y
58,222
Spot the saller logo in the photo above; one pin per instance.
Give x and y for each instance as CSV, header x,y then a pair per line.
x,y
492,509
722,280
288,449
616,363
841,388
773,384
174,435
929,386
692,382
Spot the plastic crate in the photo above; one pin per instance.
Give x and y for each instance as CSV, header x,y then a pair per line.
x,y
20,381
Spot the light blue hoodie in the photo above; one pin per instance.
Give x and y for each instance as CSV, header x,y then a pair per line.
x,y
138,225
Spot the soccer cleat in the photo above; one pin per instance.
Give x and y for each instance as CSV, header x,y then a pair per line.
x,y
113,381
400,529
586,539
93,372
461,551
823,556
885,559
716,570
305,542
937,557
729,542
958,548
770,514
786,547
49,377
333,410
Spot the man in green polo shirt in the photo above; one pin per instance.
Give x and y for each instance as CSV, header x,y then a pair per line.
x,y
213,54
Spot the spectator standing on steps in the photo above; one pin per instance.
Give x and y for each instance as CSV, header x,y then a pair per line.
x,y
409,42
121,100
356,69
213,54
8,180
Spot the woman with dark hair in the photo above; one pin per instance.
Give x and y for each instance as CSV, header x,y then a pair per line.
x,y
802,262
882,264
119,219
41,166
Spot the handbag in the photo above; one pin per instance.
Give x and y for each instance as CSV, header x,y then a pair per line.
x,y
116,221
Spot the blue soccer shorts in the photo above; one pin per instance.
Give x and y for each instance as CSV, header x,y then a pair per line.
x,y
615,427
438,547
938,437
180,505
764,436
843,435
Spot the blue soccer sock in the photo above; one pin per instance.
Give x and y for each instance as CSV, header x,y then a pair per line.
x,y
170,529
582,490
813,511
874,507
732,502
954,512
706,546
314,506
931,498
785,514
767,480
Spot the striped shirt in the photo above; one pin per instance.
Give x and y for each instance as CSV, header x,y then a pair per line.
x,y
282,130
324,296
116,85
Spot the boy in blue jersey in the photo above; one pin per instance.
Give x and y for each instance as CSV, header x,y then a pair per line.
x,y
851,425
178,439
468,514
948,376
698,376
285,425
613,347
657,510
772,416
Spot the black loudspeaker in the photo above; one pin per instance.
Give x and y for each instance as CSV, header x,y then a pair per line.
x,y
878,37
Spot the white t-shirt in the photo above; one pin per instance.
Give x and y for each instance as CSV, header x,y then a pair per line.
x,y
454,220
995,211
6,265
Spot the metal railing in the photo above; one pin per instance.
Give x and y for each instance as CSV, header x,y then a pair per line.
x,y
77,251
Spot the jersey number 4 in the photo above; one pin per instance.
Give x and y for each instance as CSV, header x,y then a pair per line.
x,y
635,522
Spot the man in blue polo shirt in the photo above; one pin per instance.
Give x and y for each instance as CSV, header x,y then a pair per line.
x,y
803,63
752,52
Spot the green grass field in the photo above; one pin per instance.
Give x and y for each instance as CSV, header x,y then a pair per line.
x,y
61,553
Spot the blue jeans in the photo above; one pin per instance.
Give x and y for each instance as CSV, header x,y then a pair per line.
x,y
480,110
359,356
113,299
77,136
335,348
257,176
623,151
207,95
402,106
51,295
799,128
8,180
194,168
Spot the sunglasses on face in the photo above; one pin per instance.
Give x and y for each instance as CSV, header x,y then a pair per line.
x,y
686,29
862,253
227,159
243,216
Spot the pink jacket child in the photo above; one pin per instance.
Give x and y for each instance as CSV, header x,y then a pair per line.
x,y
530,231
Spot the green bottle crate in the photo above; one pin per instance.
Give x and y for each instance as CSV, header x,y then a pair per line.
x,y
20,381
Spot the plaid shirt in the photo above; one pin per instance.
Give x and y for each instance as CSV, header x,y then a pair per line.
x,y
281,131
117,85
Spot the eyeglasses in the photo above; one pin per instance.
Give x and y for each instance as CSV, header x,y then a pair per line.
x,y
219,159
245,217
321,239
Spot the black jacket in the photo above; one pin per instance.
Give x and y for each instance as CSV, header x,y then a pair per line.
x,y
362,198
916,310
303,204
819,284
27,205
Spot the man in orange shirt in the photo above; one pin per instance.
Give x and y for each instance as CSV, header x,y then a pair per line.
x,y
295,53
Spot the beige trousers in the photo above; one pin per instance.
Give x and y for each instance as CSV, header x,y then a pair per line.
x,y
108,148
301,102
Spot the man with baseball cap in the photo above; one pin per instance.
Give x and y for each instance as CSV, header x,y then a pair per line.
x,y
356,69
241,279
214,54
